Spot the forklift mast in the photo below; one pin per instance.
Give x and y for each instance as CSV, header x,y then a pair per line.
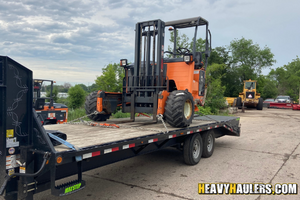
x,y
145,78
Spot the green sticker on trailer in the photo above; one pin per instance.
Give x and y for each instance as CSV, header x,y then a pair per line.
x,y
72,188
237,119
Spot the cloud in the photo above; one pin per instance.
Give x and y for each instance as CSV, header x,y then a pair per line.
x,y
88,34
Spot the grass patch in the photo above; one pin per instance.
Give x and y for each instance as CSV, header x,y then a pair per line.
x,y
119,114
76,113
202,110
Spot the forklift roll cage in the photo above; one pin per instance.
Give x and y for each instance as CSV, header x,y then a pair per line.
x,y
145,80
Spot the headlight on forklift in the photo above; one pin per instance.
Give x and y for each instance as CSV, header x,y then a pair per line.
x,y
123,62
188,58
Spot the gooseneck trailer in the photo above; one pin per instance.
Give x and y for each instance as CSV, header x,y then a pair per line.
x,y
34,157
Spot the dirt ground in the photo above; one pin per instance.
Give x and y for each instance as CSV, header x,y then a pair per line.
x,y
266,152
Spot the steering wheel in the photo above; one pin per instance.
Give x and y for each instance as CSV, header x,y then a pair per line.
x,y
182,50
168,52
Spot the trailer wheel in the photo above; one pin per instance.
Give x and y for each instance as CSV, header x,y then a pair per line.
x,y
260,104
192,149
91,106
208,143
239,102
179,110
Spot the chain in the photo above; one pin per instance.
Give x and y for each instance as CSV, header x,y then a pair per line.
x,y
138,128
80,118
160,117
89,123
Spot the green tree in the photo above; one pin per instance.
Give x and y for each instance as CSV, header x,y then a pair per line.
x,y
54,93
245,62
182,40
215,90
249,58
111,79
84,87
219,55
76,97
288,78
92,88
266,87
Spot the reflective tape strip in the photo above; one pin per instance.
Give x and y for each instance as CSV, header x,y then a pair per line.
x,y
111,150
51,118
172,136
217,126
89,155
63,111
96,153
189,132
127,146
153,140
199,130
38,111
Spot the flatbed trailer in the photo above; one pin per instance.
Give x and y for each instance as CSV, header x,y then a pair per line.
x,y
30,162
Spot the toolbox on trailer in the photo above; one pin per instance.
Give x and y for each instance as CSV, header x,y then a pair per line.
x,y
33,157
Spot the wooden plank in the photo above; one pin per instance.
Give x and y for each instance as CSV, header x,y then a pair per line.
x,y
82,135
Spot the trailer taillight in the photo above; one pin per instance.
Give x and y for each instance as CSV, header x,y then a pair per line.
x,y
59,159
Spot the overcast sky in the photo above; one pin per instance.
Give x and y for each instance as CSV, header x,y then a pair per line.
x,y
71,40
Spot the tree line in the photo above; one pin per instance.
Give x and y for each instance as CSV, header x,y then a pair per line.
x,y
228,67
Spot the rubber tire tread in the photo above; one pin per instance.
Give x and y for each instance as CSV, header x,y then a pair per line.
x,y
260,104
205,135
239,102
91,106
174,109
188,147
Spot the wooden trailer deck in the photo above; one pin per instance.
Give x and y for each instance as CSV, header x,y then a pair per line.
x,y
82,135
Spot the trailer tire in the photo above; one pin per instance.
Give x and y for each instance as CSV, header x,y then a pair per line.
x,y
208,143
239,102
260,104
179,109
192,149
91,106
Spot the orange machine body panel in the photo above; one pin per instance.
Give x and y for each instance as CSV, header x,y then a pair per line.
x,y
185,77
49,114
162,98
99,103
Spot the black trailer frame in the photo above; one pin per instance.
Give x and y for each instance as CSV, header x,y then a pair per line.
x,y
29,162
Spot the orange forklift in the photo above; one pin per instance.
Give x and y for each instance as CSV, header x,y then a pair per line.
x,y
48,112
170,88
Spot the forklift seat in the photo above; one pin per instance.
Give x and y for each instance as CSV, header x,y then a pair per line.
x,y
39,104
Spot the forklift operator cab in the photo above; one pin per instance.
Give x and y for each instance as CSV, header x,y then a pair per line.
x,y
48,112
168,87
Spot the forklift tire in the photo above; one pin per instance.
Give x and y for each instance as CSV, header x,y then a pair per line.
x,y
208,143
91,106
239,102
192,149
260,104
179,109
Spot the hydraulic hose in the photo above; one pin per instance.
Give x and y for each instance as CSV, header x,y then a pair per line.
x,y
8,177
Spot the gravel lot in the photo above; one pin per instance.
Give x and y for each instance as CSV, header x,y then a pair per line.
x,y
267,152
